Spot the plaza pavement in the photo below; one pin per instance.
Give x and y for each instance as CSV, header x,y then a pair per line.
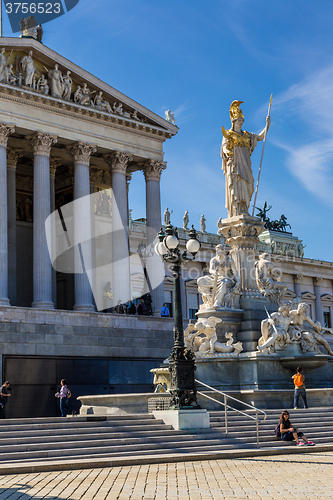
x,y
306,475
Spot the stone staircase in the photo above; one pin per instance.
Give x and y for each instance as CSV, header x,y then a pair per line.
x,y
40,444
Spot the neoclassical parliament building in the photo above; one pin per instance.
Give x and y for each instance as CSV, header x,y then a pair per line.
x,y
66,135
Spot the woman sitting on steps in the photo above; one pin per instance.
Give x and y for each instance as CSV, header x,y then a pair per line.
x,y
289,432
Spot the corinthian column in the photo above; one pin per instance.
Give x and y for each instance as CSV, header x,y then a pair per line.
x,y
5,130
297,284
13,156
318,305
54,164
42,270
81,153
155,269
121,277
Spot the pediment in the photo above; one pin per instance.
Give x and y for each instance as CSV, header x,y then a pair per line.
x,y
308,296
327,297
290,294
34,71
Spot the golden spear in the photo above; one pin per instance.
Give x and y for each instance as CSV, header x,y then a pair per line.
x,y
262,155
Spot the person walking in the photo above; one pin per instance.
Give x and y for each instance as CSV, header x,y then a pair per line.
x,y
141,309
288,432
4,394
63,395
165,313
298,379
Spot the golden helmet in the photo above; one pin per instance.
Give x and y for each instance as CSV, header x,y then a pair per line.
x,y
234,111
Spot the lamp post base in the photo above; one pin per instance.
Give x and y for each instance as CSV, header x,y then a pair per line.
x,y
182,388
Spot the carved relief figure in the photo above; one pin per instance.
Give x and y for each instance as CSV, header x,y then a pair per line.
x,y
10,77
236,151
288,326
55,82
275,329
268,279
78,95
3,65
67,86
42,85
87,93
28,69
313,336
101,104
201,338
118,108
220,288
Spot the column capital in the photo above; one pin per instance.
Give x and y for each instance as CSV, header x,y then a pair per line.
x,y
54,164
118,161
13,156
317,281
81,152
42,143
297,278
152,169
5,131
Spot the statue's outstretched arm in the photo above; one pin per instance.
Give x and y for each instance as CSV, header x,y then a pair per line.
x,y
262,134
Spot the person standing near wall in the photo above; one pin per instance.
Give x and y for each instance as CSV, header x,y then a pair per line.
x,y
63,395
298,379
4,394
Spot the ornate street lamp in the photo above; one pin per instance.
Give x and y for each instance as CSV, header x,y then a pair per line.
x,y
181,360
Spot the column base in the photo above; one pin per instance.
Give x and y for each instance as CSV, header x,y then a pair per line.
x,y
84,308
4,302
42,305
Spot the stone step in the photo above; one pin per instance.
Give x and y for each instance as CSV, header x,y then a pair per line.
x,y
161,458
77,418
163,431
269,422
158,427
110,425
140,438
184,451
67,449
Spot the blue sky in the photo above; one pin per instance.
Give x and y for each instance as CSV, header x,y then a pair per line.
x,y
195,57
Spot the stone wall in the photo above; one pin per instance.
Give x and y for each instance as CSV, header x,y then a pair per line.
x,y
95,352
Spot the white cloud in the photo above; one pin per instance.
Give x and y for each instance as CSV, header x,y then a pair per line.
x,y
310,102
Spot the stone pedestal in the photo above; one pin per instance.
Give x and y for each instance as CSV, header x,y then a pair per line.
x,y
242,234
255,371
184,419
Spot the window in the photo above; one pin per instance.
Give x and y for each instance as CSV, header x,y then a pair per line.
x,y
169,306
191,313
168,301
192,304
327,317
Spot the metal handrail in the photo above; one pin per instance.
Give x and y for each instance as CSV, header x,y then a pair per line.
x,y
226,406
